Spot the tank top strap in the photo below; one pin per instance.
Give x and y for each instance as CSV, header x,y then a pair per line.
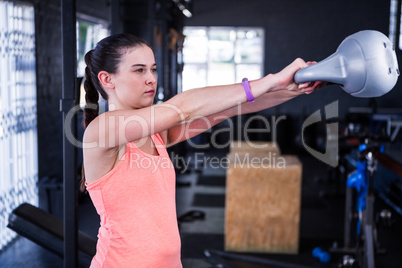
x,y
157,139
159,144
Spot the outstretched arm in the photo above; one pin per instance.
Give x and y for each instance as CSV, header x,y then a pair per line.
x,y
188,130
116,128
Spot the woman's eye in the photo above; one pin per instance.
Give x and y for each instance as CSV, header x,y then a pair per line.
x,y
140,70
153,70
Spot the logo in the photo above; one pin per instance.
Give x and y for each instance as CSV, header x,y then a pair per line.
x,y
330,156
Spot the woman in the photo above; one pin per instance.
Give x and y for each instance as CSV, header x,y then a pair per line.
x,y
128,173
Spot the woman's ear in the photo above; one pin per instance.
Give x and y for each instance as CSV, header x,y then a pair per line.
x,y
106,79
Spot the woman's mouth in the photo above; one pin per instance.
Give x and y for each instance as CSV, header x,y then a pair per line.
x,y
152,91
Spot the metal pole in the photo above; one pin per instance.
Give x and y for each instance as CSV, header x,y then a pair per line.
x,y
165,56
348,217
398,25
69,59
151,22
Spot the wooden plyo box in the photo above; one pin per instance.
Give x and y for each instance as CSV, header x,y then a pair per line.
x,y
255,147
263,197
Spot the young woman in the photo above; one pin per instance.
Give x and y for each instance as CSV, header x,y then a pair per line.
x,y
127,170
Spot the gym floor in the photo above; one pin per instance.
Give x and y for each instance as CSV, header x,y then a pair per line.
x,y
321,224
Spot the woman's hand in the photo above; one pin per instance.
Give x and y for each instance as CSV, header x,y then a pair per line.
x,y
285,79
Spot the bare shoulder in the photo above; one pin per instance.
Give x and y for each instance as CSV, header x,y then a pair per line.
x,y
98,158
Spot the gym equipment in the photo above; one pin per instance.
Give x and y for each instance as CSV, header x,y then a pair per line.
x,y
46,230
191,216
362,181
359,181
364,65
348,262
322,255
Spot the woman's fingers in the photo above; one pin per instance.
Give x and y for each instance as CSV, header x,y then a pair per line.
x,y
312,86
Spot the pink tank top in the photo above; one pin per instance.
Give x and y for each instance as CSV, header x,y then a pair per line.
x,y
136,204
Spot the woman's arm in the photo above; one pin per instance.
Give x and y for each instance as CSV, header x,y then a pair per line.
x,y
116,128
186,131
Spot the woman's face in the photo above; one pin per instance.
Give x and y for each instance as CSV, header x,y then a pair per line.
x,y
135,82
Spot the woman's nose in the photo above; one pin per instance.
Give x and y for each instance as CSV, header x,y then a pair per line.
x,y
151,78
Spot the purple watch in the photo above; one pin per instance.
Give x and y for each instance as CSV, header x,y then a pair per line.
x,y
247,89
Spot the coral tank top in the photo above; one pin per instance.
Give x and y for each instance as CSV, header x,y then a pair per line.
x,y
136,204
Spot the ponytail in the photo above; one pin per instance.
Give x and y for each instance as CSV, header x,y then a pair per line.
x,y
91,109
